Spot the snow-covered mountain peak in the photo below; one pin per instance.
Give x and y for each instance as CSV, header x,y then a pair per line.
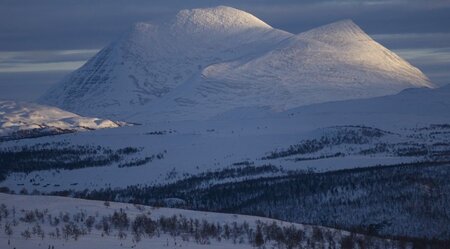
x,y
217,19
341,26
345,31
206,23
142,27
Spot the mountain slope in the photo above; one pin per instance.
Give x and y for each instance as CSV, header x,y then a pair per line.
x,y
203,62
20,120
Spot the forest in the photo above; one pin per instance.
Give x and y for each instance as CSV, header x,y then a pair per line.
x,y
406,200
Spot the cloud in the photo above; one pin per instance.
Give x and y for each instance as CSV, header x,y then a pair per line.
x,y
42,56
71,24
426,56
434,62
39,61
40,67
413,40
27,86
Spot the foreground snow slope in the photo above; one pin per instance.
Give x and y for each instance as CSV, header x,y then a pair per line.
x,y
58,222
21,119
204,62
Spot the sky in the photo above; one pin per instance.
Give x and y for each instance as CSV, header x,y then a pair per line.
x,y
42,41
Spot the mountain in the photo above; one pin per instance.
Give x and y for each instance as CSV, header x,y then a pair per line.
x,y
151,60
204,62
21,120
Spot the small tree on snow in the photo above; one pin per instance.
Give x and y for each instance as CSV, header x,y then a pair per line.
x,y
259,238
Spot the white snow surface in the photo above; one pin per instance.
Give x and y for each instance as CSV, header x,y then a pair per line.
x,y
204,62
23,116
194,147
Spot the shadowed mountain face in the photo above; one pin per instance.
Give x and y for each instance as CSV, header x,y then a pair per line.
x,y
204,62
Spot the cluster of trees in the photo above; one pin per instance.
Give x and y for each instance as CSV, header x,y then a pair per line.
x,y
244,163
163,132
63,156
433,127
412,150
304,147
156,133
141,161
267,234
337,154
434,152
417,146
334,136
37,132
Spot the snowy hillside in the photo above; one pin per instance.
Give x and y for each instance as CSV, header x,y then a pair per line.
x,y
410,105
21,120
56,222
204,62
